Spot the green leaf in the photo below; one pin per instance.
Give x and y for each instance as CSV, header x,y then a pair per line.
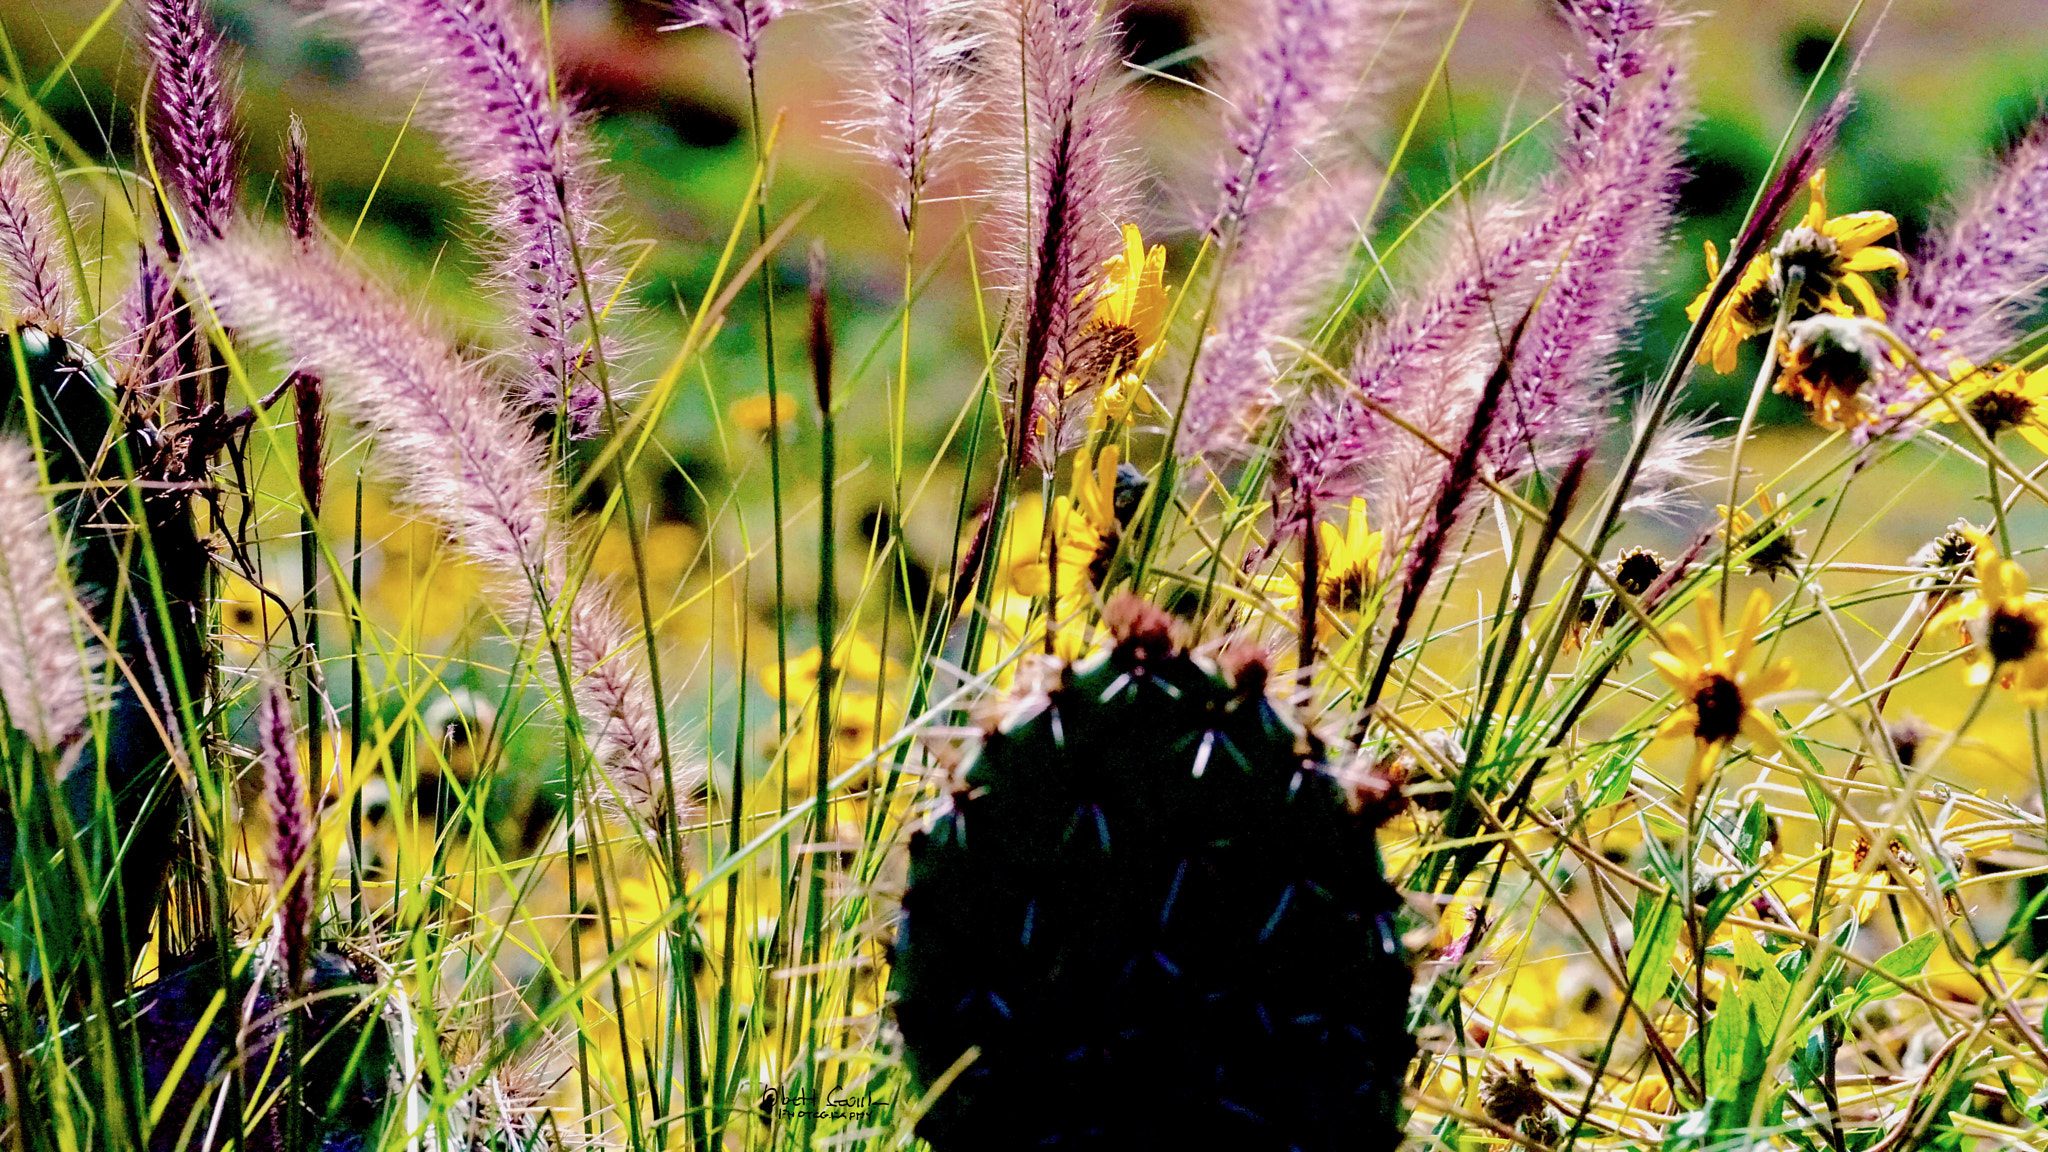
x,y
1902,963
1611,780
1657,922
1823,808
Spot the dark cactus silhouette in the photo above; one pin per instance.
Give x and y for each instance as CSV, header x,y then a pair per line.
x,y
1159,920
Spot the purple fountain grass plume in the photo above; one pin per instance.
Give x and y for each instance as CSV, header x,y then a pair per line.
x,y
192,114
294,868
484,89
1298,68
1575,259
1284,268
1978,276
743,20
45,668
913,91
31,275
1559,396
1065,187
300,212
465,458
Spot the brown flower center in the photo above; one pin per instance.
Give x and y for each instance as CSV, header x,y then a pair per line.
x,y
1718,700
1344,590
2000,410
2011,636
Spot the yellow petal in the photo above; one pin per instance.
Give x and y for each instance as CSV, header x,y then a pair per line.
x,y
1676,672
1760,733
1866,296
1710,628
1876,258
1817,200
1778,677
1860,229
1754,613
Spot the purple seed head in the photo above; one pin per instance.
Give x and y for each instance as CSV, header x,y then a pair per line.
x,y
742,20
293,868
192,112
913,93
480,73
45,664
464,457
34,281
1058,203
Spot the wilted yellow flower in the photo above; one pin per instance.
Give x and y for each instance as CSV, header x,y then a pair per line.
x,y
1130,300
1748,310
2005,625
1775,552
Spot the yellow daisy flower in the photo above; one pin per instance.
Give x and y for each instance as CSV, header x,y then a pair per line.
x,y
1348,569
1350,560
1126,330
1084,525
1749,309
2000,399
1836,253
1717,691
2005,624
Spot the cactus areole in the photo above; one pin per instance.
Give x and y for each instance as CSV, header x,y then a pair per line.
x,y
1150,918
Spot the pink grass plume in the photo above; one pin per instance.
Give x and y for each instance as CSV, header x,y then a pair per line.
x,y
481,74
192,112
37,287
464,457
912,89
45,665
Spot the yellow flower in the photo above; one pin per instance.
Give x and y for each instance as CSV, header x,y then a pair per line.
x,y
1718,693
1835,253
1124,334
1650,1094
1131,297
2005,625
753,413
1085,527
2000,399
1347,563
1748,310
1350,560
858,659
1020,564
1772,550
861,723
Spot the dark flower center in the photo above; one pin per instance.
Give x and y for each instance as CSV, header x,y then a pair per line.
x,y
1344,590
1106,347
1719,703
1098,564
2010,636
1819,256
2000,410
1637,570
1951,549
